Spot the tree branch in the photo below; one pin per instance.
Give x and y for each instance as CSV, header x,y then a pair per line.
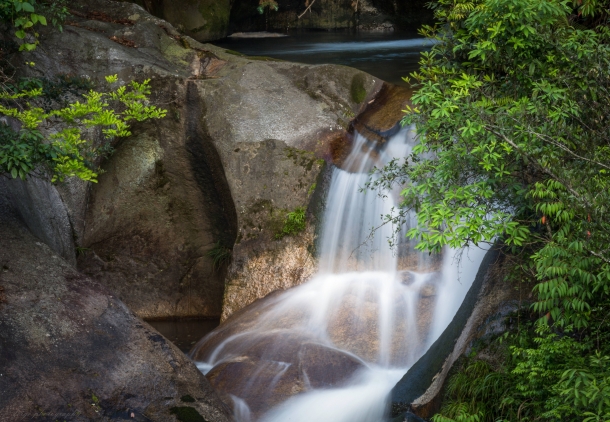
x,y
547,139
305,11
540,166
600,256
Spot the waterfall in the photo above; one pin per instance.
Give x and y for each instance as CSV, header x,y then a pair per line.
x,y
331,349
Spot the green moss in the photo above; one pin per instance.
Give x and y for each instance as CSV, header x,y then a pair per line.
x,y
187,414
216,15
312,188
185,43
357,89
301,158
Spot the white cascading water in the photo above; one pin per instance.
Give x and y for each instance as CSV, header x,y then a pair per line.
x,y
373,307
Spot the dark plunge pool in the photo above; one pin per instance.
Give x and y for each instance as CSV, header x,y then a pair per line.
x,y
388,56
185,333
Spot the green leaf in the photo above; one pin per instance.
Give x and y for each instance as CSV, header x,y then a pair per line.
x,y
27,7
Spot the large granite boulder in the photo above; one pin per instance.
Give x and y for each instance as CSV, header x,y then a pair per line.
x,y
71,350
161,203
267,377
244,143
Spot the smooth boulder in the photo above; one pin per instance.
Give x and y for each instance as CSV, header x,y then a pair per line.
x,y
71,350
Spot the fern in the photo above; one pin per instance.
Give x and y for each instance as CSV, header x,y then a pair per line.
x,y
220,255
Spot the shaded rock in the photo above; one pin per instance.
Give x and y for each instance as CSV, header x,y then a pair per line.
x,y
146,227
40,206
407,417
204,20
71,350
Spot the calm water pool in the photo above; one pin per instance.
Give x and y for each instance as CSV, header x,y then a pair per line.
x,y
386,56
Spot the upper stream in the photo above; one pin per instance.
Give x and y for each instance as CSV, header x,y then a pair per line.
x,y
387,56
331,349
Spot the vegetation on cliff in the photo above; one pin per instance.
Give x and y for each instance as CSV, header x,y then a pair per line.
x,y
512,107
45,121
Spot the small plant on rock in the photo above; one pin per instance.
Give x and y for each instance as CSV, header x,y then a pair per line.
x,y
293,223
220,255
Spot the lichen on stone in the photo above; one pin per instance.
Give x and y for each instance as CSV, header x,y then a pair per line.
x,y
357,89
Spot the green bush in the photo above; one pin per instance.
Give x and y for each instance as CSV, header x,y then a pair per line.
x,y
63,152
539,375
44,138
511,109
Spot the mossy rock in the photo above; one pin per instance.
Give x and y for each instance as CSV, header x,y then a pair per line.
x,y
357,89
204,20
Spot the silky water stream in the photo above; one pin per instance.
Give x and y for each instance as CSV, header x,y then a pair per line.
x,y
331,349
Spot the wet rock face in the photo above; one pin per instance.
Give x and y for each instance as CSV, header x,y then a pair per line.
x,y
312,366
277,366
70,349
378,121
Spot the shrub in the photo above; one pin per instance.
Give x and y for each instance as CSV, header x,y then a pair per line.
x,y
62,152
